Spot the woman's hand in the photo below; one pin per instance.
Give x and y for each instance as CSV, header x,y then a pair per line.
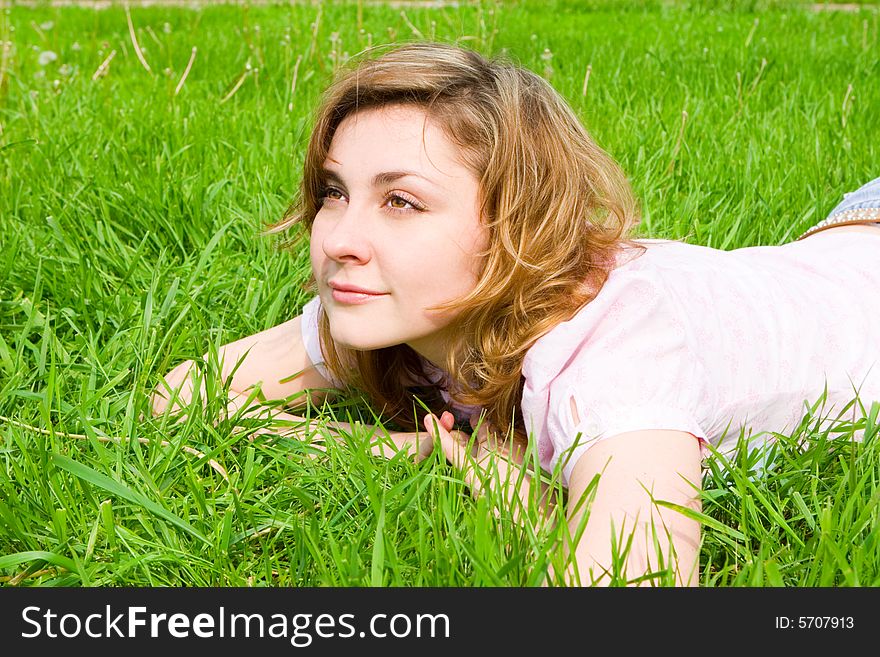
x,y
491,465
178,386
175,388
246,406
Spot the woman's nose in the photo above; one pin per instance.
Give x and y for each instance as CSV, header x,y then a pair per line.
x,y
348,238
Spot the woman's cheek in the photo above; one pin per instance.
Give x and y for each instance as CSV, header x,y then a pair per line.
x,y
316,252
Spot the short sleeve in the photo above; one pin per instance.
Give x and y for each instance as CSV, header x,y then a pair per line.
x,y
311,338
637,371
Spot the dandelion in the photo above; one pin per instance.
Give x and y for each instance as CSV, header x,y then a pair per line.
x,y
76,46
48,25
46,57
65,70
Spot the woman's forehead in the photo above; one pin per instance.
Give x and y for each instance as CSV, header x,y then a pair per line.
x,y
394,126
395,139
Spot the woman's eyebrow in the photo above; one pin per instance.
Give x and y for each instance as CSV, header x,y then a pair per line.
x,y
380,179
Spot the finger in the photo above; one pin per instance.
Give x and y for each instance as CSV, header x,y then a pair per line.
x,y
171,381
453,443
489,467
425,447
447,421
482,426
455,449
435,428
174,388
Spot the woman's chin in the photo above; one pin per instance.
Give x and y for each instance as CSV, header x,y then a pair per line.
x,y
360,342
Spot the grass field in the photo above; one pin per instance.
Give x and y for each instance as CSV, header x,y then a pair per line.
x,y
131,198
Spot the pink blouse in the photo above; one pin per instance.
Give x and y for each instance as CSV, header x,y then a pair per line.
x,y
710,342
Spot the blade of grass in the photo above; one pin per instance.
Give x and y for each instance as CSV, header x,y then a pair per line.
x,y
86,473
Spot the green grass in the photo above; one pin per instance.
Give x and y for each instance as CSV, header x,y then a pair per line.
x,y
129,219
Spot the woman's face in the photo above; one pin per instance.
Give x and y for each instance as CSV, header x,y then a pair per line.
x,y
412,238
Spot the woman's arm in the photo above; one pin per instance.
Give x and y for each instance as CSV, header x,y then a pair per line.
x,y
633,468
417,444
492,464
270,358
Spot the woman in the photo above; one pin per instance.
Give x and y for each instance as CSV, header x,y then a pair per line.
x,y
470,242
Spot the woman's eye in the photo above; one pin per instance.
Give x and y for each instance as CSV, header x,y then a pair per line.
x,y
398,203
401,200
414,206
327,191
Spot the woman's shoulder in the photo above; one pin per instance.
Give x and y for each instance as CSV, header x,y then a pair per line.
x,y
631,311
647,252
640,296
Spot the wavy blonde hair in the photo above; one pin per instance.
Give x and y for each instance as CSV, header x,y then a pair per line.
x,y
557,208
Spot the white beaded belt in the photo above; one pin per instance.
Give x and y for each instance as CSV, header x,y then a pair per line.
x,y
856,216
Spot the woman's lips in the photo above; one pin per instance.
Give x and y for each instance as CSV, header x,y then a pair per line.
x,y
342,296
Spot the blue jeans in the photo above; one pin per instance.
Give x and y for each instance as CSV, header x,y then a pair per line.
x,y
866,196
861,206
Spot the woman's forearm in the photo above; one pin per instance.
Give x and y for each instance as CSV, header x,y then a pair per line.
x,y
382,443
634,497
